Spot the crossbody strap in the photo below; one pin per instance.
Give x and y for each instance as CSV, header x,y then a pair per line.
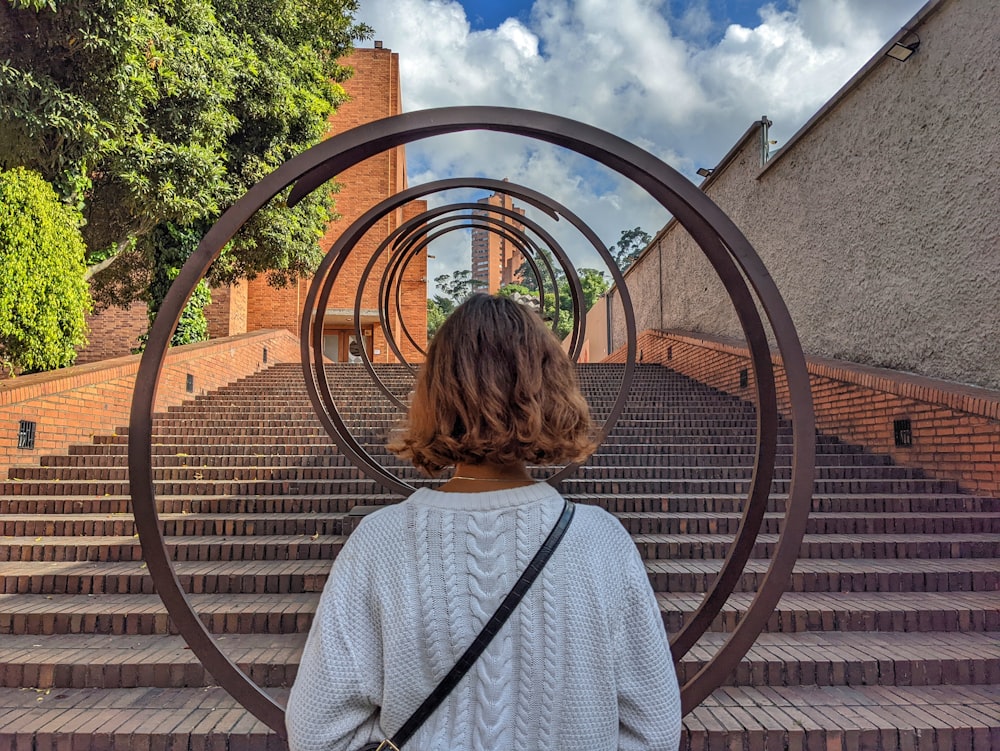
x,y
468,659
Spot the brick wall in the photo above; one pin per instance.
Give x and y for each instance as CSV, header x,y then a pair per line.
x,y
71,405
114,332
227,313
955,428
374,91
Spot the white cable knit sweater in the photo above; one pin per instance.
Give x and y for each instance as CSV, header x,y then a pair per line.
x,y
581,664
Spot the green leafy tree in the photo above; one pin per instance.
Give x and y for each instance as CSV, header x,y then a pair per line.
x,y
516,291
43,295
592,282
435,317
457,287
631,243
159,115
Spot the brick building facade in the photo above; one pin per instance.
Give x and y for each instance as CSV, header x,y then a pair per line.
x,y
495,260
255,305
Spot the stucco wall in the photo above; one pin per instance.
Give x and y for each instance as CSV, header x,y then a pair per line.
x,y
878,221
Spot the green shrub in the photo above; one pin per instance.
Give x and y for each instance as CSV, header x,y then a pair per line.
x,y
43,292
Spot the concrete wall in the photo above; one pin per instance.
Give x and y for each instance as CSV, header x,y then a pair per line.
x,y
878,219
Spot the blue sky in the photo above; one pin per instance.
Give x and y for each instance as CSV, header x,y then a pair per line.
x,y
681,78
488,14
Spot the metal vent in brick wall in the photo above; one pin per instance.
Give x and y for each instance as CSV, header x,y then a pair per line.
x,y
902,432
265,354
670,353
26,434
190,383
744,378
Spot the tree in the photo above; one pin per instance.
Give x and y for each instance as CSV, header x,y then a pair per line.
x,y
592,283
155,117
631,243
43,295
457,287
435,317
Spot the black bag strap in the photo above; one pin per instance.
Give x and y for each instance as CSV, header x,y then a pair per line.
x,y
468,659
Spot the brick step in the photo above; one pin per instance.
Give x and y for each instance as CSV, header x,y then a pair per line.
x,y
258,577
675,523
271,660
621,503
818,547
247,459
374,432
823,718
216,414
855,659
115,446
197,548
644,471
375,443
146,614
247,409
139,719
129,661
688,546
293,613
844,523
854,611
571,486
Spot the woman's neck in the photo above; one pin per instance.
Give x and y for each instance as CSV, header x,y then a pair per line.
x,y
481,478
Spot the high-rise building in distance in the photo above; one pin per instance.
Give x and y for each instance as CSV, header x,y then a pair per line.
x,y
495,260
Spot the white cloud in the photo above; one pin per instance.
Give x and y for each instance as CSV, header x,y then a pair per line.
x,y
619,65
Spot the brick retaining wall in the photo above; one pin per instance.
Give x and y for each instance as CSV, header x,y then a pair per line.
x,y
72,404
955,428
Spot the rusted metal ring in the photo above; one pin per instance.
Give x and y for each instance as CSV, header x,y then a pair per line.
x,y
400,261
714,232
318,385
328,272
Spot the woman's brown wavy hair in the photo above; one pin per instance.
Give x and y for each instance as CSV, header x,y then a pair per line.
x,y
496,387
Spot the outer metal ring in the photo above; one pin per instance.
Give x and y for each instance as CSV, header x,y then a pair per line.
x,y
724,246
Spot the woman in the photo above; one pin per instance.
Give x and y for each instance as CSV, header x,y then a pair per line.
x,y
583,661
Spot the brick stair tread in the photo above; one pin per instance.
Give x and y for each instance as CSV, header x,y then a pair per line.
x,y
636,522
861,566
653,546
848,602
928,718
243,613
144,614
838,503
360,484
821,718
93,660
642,537
81,660
129,719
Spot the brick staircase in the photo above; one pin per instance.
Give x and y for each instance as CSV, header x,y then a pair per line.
x,y
887,638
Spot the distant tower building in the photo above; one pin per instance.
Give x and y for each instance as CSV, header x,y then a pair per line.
x,y
495,260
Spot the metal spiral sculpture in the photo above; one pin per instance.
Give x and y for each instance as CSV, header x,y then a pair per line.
x,y
729,252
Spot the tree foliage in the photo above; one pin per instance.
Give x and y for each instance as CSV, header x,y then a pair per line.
x,y
456,288
436,316
631,243
43,295
160,115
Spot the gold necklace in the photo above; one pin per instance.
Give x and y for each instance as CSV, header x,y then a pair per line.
x,y
488,479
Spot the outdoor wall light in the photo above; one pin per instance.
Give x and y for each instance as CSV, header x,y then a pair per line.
x,y
705,171
902,52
